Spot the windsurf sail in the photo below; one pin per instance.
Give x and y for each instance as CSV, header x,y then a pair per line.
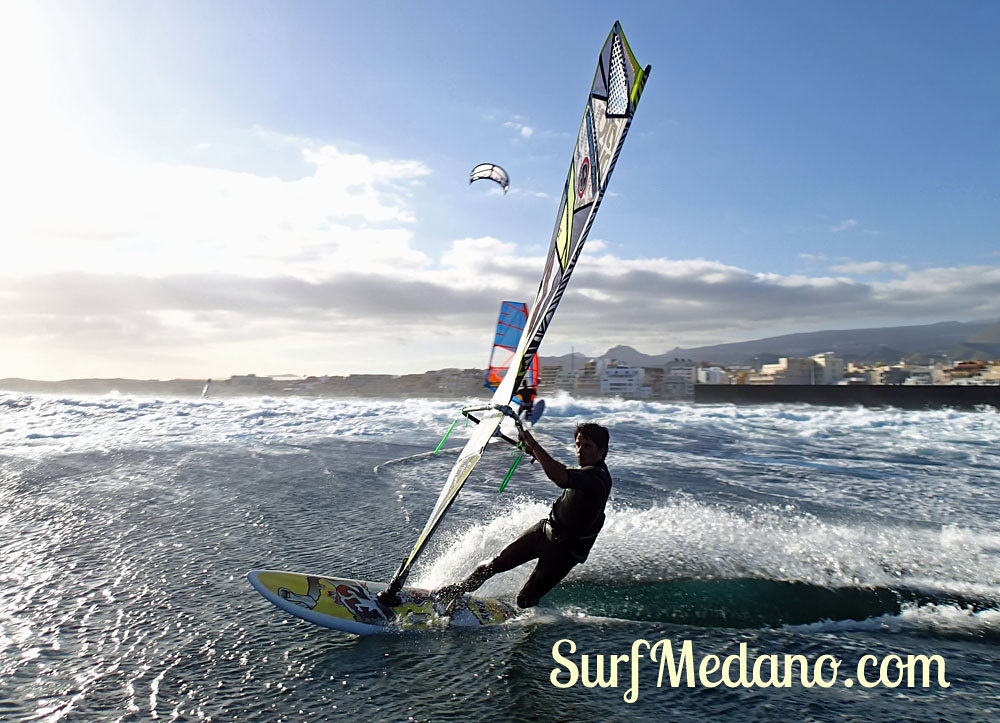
x,y
510,326
614,95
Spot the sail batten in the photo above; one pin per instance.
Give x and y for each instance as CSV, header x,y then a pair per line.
x,y
611,103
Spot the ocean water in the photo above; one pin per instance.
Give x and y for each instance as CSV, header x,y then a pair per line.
x,y
127,525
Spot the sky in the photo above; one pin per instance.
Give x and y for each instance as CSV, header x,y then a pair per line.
x,y
193,190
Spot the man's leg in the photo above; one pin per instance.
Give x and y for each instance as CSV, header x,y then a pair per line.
x,y
525,548
549,571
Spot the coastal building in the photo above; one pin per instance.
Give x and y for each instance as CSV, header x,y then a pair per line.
x,y
791,370
683,368
676,386
552,377
249,382
974,372
712,375
454,381
828,369
623,380
311,385
824,368
920,377
925,375
680,376
895,374
653,377
967,369
588,381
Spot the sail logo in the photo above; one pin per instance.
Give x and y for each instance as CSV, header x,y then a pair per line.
x,y
582,177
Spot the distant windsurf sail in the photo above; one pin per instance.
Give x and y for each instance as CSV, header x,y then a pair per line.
x,y
614,95
510,327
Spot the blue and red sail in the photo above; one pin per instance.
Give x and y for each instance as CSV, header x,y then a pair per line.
x,y
510,326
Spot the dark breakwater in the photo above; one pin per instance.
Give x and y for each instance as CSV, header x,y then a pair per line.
x,y
875,395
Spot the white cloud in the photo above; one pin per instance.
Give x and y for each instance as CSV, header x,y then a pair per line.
x,y
96,214
377,320
845,225
523,130
974,290
870,267
851,224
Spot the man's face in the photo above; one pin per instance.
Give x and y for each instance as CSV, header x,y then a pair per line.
x,y
587,453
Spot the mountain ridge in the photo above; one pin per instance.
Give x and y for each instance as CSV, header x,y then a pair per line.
x,y
954,339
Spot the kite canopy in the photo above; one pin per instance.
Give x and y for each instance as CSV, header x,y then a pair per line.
x,y
492,172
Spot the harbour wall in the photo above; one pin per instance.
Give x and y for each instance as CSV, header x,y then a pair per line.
x,y
882,395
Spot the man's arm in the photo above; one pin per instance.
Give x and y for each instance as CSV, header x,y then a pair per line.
x,y
555,471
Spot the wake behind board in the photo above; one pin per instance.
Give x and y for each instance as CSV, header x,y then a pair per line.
x,y
349,605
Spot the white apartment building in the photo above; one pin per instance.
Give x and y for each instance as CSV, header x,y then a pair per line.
x,y
924,376
829,368
791,370
554,376
876,375
679,378
712,375
623,380
682,368
677,387
825,368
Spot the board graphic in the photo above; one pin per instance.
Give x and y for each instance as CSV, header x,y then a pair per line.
x,y
349,605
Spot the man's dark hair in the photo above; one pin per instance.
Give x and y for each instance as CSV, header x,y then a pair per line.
x,y
595,433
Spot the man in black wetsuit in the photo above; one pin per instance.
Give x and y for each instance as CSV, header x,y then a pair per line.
x,y
565,538
527,400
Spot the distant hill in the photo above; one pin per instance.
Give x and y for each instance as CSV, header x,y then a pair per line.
x,y
985,343
955,339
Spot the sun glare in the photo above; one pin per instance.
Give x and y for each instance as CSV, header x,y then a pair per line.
x,y
25,72
38,143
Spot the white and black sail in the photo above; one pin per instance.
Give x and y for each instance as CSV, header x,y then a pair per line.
x,y
614,95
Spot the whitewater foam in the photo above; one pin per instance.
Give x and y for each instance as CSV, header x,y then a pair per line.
x,y
686,539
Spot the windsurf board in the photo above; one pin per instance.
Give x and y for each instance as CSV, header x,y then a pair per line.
x,y
350,606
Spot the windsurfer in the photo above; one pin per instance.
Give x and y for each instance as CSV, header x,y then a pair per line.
x,y
527,401
564,539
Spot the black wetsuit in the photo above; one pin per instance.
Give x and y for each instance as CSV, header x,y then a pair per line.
x,y
559,542
527,402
